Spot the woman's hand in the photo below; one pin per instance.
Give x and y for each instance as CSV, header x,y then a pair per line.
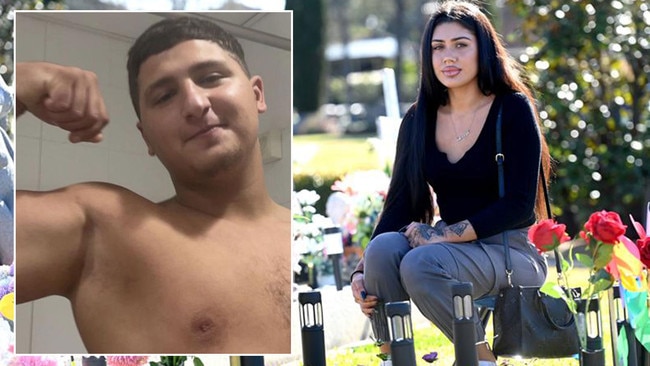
x,y
422,234
361,297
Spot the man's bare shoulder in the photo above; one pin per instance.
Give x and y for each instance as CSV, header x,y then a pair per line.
x,y
111,199
282,214
94,197
100,191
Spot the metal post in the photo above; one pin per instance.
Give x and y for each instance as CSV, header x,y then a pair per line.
x,y
618,320
464,330
333,240
93,361
593,353
252,360
311,322
402,351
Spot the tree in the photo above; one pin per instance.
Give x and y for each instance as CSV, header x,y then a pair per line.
x,y
7,27
590,62
402,19
7,13
308,53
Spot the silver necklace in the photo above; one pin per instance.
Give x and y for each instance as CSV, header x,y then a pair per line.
x,y
463,136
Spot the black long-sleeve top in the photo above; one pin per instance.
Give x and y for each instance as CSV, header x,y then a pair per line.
x,y
468,189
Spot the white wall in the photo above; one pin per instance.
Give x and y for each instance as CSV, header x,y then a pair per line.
x,y
46,160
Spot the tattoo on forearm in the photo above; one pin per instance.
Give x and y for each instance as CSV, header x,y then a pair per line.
x,y
458,228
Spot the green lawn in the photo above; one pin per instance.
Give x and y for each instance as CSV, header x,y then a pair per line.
x,y
327,154
430,339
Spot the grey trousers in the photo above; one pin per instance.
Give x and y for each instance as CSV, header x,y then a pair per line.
x,y
425,275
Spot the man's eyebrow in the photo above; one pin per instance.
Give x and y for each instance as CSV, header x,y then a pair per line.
x,y
197,67
157,84
208,64
453,39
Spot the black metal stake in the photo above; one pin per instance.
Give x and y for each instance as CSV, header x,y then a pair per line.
x,y
593,354
464,331
252,360
402,350
334,246
336,263
311,322
93,361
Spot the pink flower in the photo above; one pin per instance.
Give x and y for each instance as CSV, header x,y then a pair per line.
x,y
126,360
33,361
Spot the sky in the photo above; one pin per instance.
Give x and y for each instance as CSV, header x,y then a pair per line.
x,y
162,5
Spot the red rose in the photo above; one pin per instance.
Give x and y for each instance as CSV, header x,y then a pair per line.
x,y
605,226
547,234
644,249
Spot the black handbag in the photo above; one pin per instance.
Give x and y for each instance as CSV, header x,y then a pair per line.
x,y
531,324
527,322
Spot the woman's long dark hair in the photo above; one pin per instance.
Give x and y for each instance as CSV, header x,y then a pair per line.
x,y
498,74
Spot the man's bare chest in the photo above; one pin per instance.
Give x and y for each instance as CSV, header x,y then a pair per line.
x,y
211,292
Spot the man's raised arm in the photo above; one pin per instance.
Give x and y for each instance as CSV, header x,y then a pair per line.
x,y
50,234
52,227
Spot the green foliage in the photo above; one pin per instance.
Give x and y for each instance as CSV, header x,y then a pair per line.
x,y
170,361
369,90
308,50
585,260
7,25
175,361
366,210
601,280
335,156
590,62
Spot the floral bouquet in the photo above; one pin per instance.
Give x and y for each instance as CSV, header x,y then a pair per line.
x,y
7,302
610,257
35,361
126,360
365,192
307,229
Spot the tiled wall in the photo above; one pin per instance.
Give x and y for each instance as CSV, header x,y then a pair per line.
x,y
46,160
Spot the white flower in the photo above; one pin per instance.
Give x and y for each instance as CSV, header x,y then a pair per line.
x,y
307,197
6,340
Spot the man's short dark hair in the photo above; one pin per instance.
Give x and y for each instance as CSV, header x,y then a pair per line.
x,y
166,34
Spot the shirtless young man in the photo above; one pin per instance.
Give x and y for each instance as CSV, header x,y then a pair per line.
x,y
207,271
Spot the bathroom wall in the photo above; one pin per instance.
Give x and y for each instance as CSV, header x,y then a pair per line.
x,y
46,160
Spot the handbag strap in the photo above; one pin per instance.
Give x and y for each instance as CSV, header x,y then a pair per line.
x,y
499,157
556,251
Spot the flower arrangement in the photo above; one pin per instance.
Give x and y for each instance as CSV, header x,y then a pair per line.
x,y
7,304
175,361
610,257
34,361
126,360
364,193
307,229
307,233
